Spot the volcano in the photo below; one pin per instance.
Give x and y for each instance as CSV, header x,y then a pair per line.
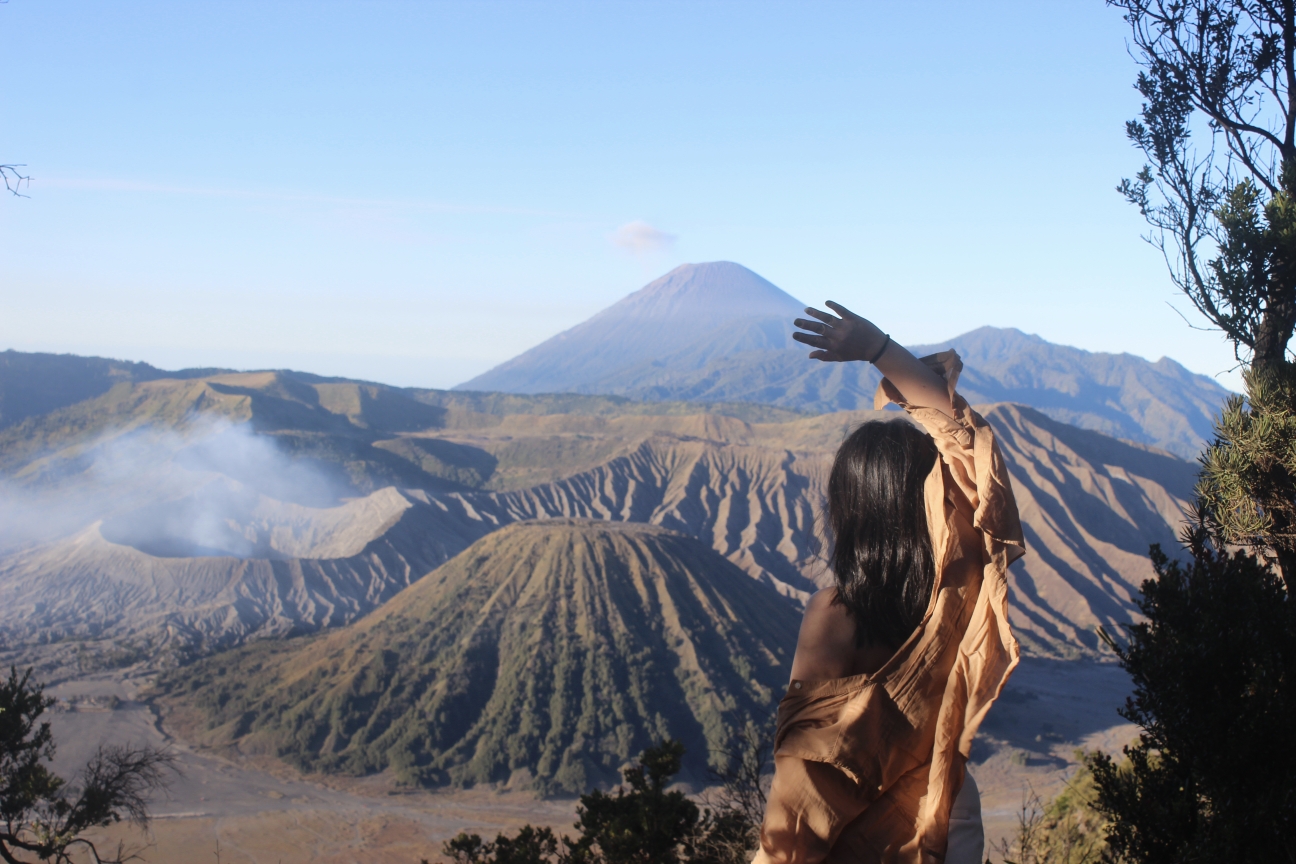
x,y
707,310
545,656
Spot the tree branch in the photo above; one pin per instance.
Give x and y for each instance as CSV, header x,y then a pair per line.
x,y
14,179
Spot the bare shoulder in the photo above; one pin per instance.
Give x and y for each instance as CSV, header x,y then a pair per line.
x,y
826,644
822,608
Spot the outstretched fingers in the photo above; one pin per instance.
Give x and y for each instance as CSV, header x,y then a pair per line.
x,y
812,326
839,309
824,350
811,339
823,316
822,333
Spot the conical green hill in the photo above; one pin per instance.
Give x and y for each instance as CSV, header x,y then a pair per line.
x,y
547,654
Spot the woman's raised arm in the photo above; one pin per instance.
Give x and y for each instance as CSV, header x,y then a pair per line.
x,y
850,337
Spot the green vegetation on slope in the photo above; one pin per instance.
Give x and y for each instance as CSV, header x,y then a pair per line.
x,y
547,654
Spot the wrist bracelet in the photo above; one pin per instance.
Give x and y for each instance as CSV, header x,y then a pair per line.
x,y
882,350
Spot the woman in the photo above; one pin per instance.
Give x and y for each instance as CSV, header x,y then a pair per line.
x,y
898,663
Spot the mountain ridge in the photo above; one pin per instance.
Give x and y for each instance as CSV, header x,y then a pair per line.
x,y
305,534
741,357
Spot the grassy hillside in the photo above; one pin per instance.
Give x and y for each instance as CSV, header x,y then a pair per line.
x,y
546,654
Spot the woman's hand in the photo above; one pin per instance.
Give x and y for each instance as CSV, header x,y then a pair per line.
x,y
849,337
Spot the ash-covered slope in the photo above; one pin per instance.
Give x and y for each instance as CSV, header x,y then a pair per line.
x,y
1091,506
546,655
720,333
294,569
189,515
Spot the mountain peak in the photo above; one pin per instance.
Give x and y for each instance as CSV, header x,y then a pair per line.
x,y
718,306
717,332
716,288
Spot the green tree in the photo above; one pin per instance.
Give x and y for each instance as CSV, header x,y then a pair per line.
x,y
642,822
1247,486
1218,128
42,816
1211,777
530,846
1218,185
1214,663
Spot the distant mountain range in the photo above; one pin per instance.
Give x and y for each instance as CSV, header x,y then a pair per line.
x,y
32,384
719,335
718,332
196,513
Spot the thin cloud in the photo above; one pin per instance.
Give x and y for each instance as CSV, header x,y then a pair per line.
x,y
640,237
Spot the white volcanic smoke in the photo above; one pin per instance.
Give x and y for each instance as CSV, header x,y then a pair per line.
x,y
163,491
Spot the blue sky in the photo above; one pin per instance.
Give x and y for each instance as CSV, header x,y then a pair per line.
x,y
411,192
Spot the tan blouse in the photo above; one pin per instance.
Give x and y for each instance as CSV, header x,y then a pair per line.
x,y
867,767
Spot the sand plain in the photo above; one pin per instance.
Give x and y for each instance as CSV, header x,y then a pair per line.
x,y
227,809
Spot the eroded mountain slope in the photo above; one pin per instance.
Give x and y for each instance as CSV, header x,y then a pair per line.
x,y
545,655
1091,506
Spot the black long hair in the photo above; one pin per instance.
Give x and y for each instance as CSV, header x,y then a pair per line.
x,y
882,552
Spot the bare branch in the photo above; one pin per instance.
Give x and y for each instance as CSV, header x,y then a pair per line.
x,y
43,816
14,179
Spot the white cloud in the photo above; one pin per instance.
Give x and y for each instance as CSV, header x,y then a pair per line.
x,y
640,237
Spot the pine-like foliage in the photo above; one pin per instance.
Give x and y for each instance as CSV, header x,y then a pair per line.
x,y
1247,487
1214,672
